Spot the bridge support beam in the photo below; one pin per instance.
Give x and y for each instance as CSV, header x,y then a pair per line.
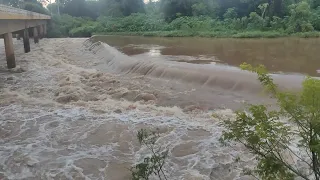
x,y
35,35
40,31
11,62
26,42
44,30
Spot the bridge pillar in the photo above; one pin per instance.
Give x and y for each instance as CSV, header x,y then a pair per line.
x,y
35,35
44,28
26,42
8,45
41,31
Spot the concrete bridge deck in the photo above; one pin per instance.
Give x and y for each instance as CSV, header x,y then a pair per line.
x,y
18,21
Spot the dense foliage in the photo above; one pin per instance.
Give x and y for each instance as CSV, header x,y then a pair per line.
x,y
30,5
210,18
286,141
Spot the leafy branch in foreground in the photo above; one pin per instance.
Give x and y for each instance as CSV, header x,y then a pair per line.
x,y
151,165
286,142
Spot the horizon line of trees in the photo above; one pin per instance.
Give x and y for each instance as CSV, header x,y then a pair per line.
x,y
172,9
87,17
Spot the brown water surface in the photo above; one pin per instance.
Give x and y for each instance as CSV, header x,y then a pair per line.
x,y
283,55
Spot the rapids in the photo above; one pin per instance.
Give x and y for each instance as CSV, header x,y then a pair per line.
x,y
73,107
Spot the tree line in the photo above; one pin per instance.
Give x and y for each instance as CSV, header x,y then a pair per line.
x,y
172,9
210,18
30,5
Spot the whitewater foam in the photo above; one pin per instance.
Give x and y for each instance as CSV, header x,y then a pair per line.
x,y
72,115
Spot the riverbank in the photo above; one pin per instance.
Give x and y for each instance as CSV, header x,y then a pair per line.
x,y
216,34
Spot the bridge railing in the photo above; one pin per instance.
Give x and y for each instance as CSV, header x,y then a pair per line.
x,y
8,12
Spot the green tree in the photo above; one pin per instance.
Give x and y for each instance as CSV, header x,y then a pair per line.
x,y
316,19
263,8
314,3
53,8
215,17
230,14
13,3
153,7
35,7
256,22
30,5
132,6
111,8
199,9
300,17
118,8
175,8
80,8
274,136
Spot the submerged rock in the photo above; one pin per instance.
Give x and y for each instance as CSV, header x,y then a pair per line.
x,y
10,78
67,98
32,162
118,111
145,97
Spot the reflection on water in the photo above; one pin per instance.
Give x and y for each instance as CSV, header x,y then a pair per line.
x,y
154,52
283,55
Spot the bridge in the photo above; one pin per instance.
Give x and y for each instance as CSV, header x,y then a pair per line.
x,y
22,23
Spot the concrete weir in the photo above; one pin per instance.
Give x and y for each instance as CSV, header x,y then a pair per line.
x,y
18,21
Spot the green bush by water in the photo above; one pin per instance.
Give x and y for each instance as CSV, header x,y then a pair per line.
x,y
259,34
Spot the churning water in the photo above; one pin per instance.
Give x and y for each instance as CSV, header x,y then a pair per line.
x,y
74,107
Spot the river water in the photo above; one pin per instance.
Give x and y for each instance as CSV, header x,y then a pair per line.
x,y
281,55
72,109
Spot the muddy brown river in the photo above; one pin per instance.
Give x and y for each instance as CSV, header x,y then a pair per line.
x,y
283,55
72,108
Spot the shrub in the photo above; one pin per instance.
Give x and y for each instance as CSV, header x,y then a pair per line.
x,y
312,34
256,22
237,24
259,34
83,31
201,23
34,7
66,25
153,164
277,23
274,140
134,23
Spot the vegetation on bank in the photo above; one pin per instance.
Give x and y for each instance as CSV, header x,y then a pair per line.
x,y
30,5
286,142
303,21
216,34
141,25
180,18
